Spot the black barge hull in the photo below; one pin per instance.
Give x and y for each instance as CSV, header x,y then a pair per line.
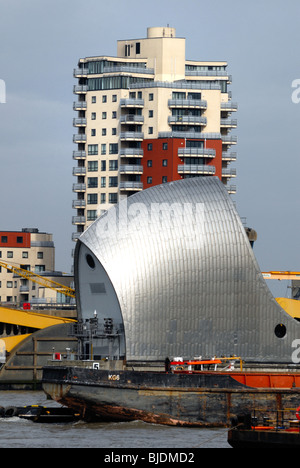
x,y
204,399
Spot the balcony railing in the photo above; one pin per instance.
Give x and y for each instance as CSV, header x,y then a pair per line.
x,y
196,169
79,187
79,122
79,72
79,89
229,123
78,220
130,118
130,185
78,171
229,106
188,103
197,152
226,156
79,138
131,153
187,119
131,135
131,102
79,105
228,172
229,139
78,204
131,169
79,154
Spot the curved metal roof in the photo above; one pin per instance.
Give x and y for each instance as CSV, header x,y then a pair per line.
x,y
182,277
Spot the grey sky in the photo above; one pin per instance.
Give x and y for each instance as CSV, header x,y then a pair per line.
x,y
40,43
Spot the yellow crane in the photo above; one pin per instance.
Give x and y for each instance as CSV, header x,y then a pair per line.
x,y
282,275
41,280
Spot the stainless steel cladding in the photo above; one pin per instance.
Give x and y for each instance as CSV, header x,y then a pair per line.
x,y
173,269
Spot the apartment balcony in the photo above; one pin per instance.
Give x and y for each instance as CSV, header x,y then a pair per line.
x,y
79,171
229,140
79,187
80,122
196,169
131,186
196,152
228,123
80,72
131,102
78,220
231,189
77,204
190,135
24,288
129,69
131,136
229,106
131,153
79,138
226,156
79,155
187,103
187,120
80,89
228,173
76,235
131,169
79,105
131,119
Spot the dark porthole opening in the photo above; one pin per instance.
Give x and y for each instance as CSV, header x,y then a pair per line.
x,y
90,261
280,330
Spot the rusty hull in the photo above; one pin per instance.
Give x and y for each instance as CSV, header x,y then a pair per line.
x,y
206,400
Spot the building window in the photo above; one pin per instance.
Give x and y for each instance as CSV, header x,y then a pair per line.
x,y
92,182
103,198
113,165
150,146
93,132
114,98
10,254
113,131
40,255
113,148
19,240
151,96
113,198
113,181
104,115
93,166
24,254
103,182
137,47
103,148
4,239
164,179
150,130
94,99
92,198
92,149
150,114
149,180
39,268
103,131
149,163
104,98
165,162
103,165
93,116
127,50
165,146
91,215
9,284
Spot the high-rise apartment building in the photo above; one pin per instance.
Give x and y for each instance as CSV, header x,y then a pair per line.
x,y
146,117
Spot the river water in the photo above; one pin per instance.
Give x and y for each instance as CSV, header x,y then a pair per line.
x,y
19,433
